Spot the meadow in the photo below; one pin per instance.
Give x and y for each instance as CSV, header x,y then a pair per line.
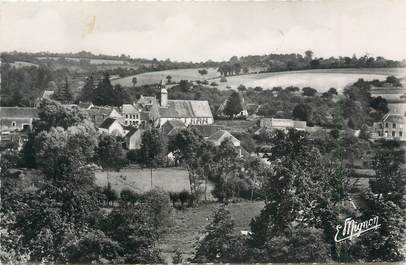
x,y
176,74
139,180
320,79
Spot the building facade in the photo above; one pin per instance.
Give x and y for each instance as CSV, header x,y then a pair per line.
x,y
392,126
17,118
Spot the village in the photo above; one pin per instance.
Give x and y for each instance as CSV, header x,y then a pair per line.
x,y
203,133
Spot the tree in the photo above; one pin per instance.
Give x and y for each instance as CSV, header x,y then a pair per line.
x,y
87,92
302,188
225,171
169,78
308,55
233,105
332,91
389,182
380,104
109,153
203,72
393,81
241,88
104,92
309,92
64,94
220,245
151,147
191,149
303,112
134,81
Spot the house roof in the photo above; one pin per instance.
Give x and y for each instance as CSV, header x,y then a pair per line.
x,y
18,112
175,123
48,93
186,109
107,123
207,130
222,135
393,117
131,131
100,111
128,108
146,100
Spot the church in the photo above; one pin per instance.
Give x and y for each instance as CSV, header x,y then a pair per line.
x,y
190,112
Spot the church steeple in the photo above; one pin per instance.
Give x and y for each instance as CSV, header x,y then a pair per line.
x,y
164,93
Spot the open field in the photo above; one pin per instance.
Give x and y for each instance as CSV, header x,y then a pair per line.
x,y
321,80
177,75
139,180
187,225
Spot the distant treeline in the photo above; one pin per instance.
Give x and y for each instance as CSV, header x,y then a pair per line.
x,y
288,62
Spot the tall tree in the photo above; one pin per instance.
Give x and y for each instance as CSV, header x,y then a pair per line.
x,y
104,92
109,154
233,105
151,147
87,92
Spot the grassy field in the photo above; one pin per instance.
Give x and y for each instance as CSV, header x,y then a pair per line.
x,y
321,80
177,75
187,225
139,180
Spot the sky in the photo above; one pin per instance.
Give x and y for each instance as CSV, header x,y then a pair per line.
x,y
199,31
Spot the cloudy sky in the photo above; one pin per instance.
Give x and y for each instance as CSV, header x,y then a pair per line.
x,y
196,31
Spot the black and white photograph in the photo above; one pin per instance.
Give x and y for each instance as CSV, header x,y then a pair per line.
x,y
203,132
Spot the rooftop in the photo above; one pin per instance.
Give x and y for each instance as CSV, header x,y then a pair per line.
x,y
18,112
186,109
107,123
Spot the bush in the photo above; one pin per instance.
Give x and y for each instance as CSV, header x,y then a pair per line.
x,y
223,79
214,84
129,196
134,156
220,243
90,246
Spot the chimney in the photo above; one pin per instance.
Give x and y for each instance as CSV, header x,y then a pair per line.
x,y
164,95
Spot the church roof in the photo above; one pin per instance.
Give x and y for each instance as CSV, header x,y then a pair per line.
x,y
186,109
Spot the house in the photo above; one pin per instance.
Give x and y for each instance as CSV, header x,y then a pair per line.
x,y
172,127
99,114
207,130
131,114
133,138
188,111
392,126
282,124
48,94
17,118
222,135
243,113
15,139
112,126
146,102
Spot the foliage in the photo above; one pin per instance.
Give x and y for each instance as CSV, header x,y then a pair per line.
x,y
220,243
233,105
109,153
196,153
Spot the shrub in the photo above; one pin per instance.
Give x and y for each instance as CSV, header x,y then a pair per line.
x,y
89,246
129,196
213,84
220,243
223,79
184,197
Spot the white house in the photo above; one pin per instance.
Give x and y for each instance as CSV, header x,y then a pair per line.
x,y
112,126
